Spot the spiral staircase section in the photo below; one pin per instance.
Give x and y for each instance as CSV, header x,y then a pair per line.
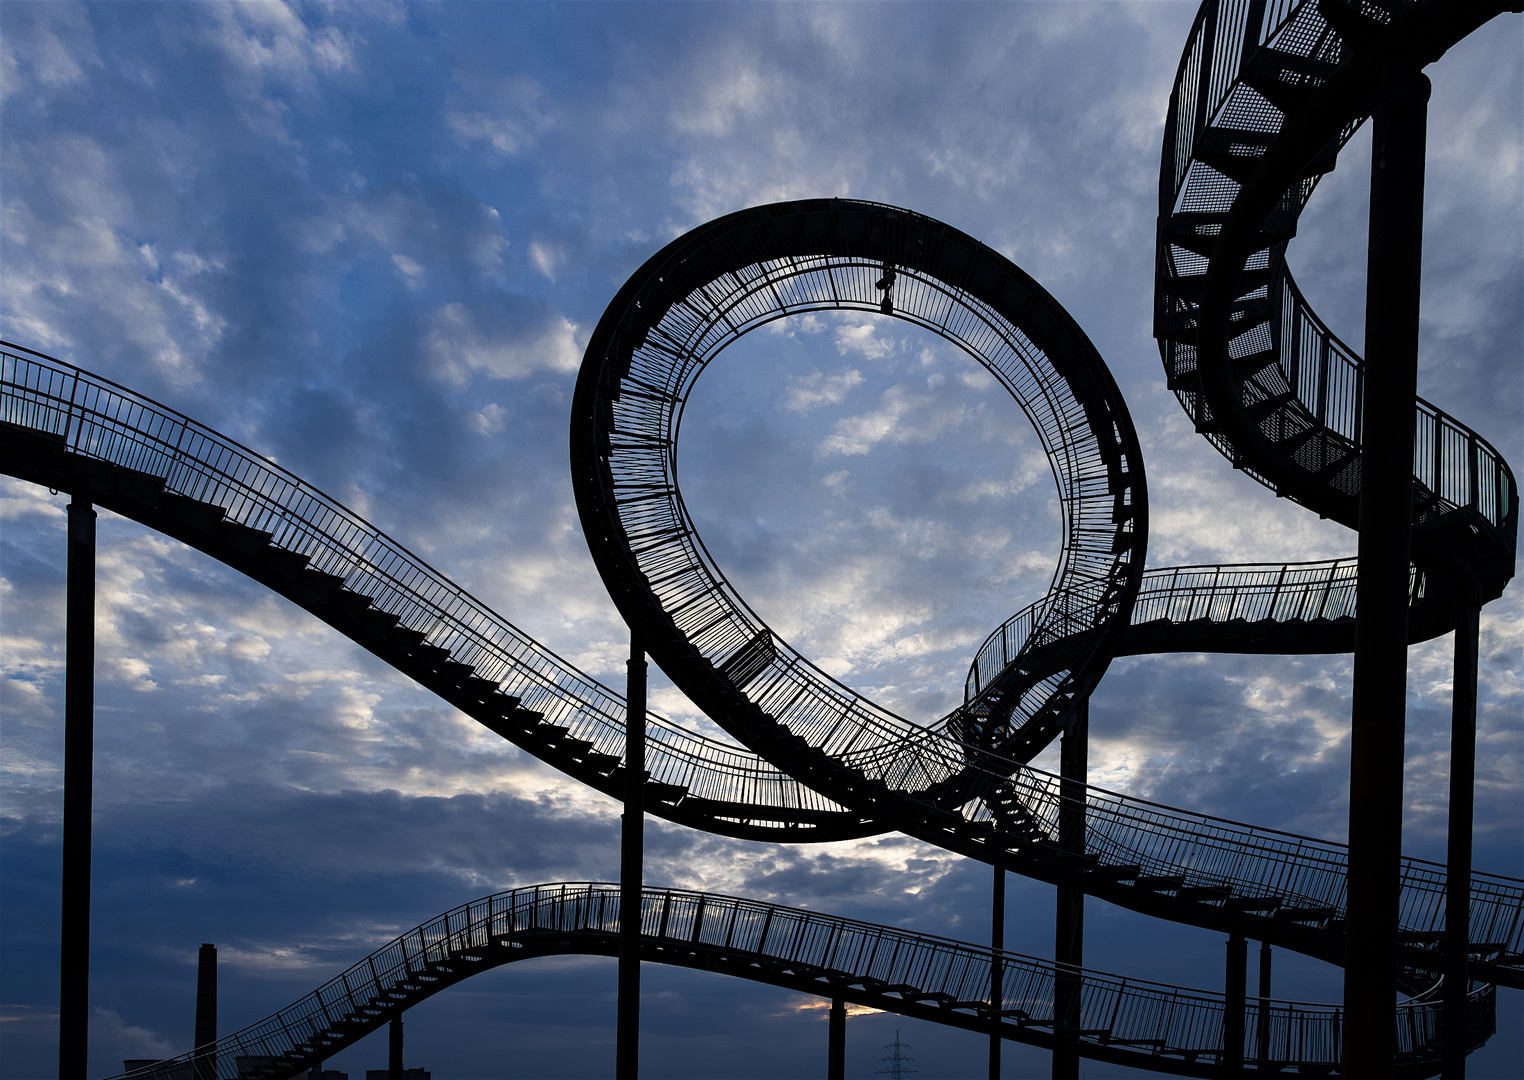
x,y
1266,95
1124,1021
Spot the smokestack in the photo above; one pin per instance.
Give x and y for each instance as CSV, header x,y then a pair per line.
x,y
206,995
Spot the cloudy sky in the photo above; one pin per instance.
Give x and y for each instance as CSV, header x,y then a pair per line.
x,y
369,240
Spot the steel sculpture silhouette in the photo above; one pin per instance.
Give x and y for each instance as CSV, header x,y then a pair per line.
x,y
1266,93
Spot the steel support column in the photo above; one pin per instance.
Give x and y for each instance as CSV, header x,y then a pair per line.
x,y
1069,931
1381,630
1262,1035
79,753
631,857
394,1049
1234,1005
997,970
836,1042
1457,1010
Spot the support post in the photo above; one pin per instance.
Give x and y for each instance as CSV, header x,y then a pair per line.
x,y
1457,1008
394,1049
836,1043
1262,1036
1069,936
631,856
997,968
1234,1005
1381,628
79,753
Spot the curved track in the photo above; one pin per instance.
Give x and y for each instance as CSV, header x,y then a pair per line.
x,y
1124,1021
1266,94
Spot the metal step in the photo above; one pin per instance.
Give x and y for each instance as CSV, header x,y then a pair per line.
x,y
348,605
248,542
1159,883
1285,79
1209,893
191,514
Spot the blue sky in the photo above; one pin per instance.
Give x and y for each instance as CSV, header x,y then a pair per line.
x,y
369,240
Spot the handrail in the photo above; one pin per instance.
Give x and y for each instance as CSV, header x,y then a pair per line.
x,y
1122,830
1147,1024
1309,399
101,419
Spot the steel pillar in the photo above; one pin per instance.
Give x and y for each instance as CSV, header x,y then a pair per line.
x,y
1234,1005
997,969
394,1049
1457,1010
1262,1036
1069,931
836,1043
79,753
1381,598
631,856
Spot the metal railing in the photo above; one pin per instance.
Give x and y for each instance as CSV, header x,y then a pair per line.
x,y
1452,465
1322,379
1253,592
48,396
882,965
101,420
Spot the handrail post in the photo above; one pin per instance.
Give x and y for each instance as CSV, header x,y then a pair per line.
x,y
1381,627
631,856
79,753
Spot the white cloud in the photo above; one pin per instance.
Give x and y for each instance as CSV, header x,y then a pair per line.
x,y
860,338
808,392
548,258
732,89
81,245
458,345
111,1035
268,40
903,416
512,121
410,270
51,50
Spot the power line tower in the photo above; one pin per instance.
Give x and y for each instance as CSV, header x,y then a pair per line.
x,y
897,1059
